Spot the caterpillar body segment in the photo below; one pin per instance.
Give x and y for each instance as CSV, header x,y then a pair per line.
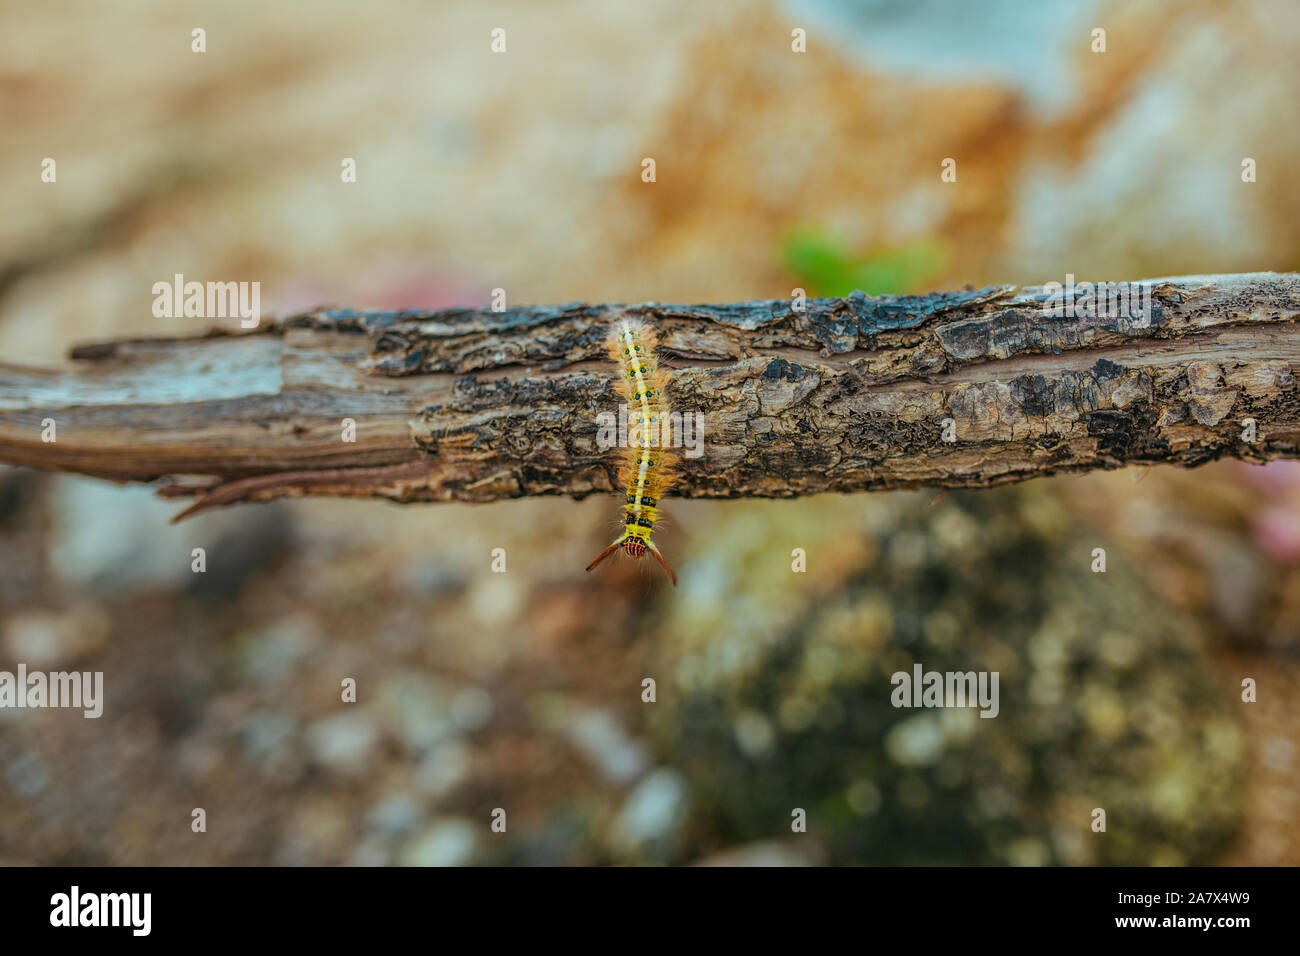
x,y
647,471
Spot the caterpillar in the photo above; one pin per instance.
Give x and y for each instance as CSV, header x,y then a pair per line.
x,y
647,469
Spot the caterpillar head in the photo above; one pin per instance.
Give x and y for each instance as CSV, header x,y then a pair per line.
x,y
637,549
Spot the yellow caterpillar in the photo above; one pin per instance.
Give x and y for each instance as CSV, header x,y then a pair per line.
x,y
647,469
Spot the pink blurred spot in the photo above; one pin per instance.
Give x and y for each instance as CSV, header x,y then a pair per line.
x,y
1277,533
1276,477
391,284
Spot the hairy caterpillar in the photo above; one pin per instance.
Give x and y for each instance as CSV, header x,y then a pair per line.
x,y
647,469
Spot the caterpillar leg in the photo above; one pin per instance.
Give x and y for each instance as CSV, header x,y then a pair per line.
x,y
662,563
607,552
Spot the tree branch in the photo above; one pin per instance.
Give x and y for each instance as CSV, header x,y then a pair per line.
x,y
850,395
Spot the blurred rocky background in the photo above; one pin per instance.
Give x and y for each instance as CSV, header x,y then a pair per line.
x,y
523,690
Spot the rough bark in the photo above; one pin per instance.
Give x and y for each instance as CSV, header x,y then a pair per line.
x,y
849,395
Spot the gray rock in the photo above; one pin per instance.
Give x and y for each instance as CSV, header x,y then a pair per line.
x,y
603,741
113,540
27,775
448,842
654,811
417,710
344,742
442,769
395,814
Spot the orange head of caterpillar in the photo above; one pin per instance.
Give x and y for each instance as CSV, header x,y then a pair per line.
x,y
637,548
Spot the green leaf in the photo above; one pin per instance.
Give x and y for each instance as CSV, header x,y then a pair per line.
x,y
824,267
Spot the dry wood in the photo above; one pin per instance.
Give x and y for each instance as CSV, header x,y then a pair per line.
x,y
849,395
